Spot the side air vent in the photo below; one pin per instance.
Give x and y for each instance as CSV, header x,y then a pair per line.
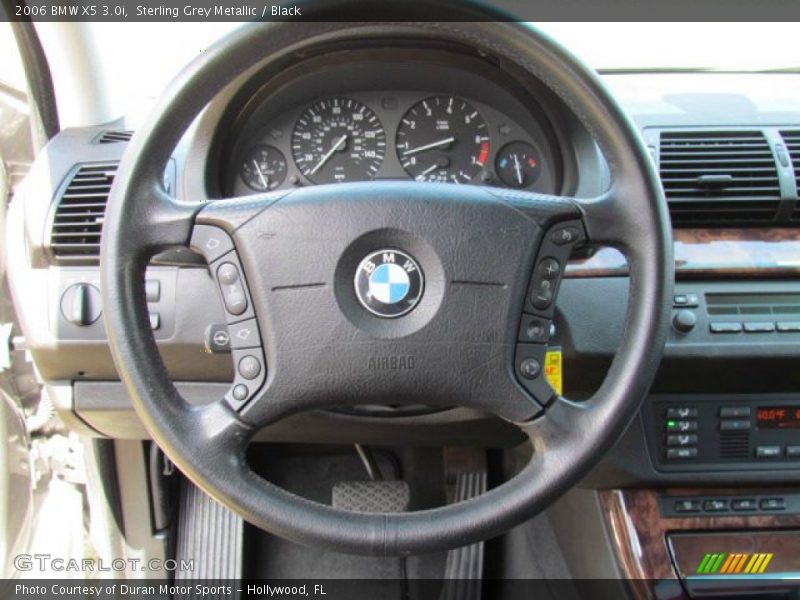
x,y
114,136
78,216
792,141
719,178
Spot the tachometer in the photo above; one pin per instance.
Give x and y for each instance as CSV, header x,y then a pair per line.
x,y
338,139
442,138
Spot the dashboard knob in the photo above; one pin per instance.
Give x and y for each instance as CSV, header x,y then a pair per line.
x,y
81,304
684,321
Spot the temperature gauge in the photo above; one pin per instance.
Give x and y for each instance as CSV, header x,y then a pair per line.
x,y
263,168
518,165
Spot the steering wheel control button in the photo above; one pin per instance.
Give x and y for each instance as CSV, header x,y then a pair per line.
x,y
530,368
389,283
244,334
152,290
542,295
211,242
228,274
549,269
240,392
562,236
217,339
535,329
81,304
249,367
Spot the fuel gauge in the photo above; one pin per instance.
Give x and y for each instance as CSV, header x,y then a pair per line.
x,y
263,168
518,165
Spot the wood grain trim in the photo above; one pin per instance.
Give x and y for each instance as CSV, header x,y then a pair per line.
x,y
639,532
711,253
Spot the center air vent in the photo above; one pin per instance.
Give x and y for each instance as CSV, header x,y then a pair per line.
x,y
719,178
792,141
114,136
78,216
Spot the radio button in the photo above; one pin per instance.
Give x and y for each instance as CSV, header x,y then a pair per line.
x,y
788,326
768,451
722,327
764,327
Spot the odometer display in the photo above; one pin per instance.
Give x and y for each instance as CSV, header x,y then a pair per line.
x,y
338,139
442,138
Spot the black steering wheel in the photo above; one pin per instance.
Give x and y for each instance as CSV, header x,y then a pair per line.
x,y
387,292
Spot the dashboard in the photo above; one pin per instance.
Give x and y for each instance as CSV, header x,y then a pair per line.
x,y
433,112
431,116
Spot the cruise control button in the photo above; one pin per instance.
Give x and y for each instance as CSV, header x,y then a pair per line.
x,y
227,273
249,367
565,235
217,339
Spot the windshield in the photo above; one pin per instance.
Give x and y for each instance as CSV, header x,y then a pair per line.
x,y
135,79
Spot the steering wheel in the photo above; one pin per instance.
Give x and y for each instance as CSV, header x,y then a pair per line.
x,y
394,292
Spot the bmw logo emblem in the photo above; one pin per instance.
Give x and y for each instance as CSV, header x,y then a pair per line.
x,y
389,283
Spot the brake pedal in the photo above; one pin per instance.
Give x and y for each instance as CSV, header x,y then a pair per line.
x,y
371,496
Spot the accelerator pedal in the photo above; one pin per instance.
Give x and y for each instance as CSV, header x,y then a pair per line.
x,y
463,572
209,535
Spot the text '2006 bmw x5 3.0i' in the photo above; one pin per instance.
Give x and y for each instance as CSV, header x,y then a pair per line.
x,y
430,308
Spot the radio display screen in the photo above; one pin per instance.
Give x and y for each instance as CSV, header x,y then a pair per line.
x,y
778,417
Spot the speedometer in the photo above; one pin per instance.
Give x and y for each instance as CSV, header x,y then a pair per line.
x,y
338,139
442,138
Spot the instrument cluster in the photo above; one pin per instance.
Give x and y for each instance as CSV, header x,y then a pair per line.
x,y
362,136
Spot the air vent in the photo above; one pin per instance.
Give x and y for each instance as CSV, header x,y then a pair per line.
x,y
792,141
114,136
734,444
78,216
719,178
